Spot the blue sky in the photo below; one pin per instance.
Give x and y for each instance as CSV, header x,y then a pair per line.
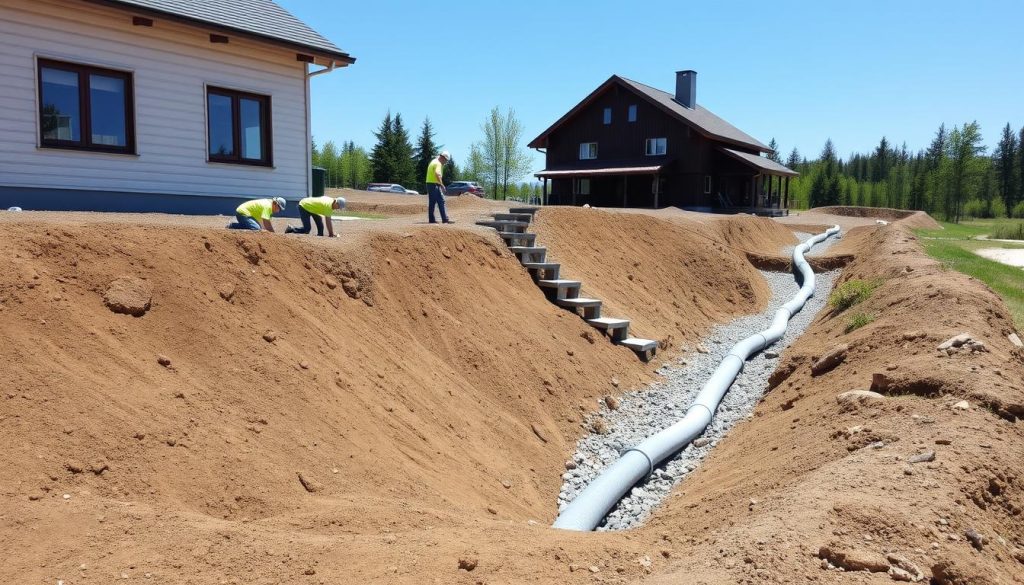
x,y
797,71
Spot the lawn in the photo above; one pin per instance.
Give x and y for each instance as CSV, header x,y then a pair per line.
x,y
1007,281
967,229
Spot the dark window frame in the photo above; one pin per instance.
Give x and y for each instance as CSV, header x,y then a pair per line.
x,y
84,142
266,123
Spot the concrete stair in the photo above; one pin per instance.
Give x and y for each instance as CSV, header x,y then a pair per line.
x,y
524,210
563,292
527,217
518,227
563,288
549,269
617,329
645,348
517,239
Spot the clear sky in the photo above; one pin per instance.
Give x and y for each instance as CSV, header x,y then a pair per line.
x,y
799,71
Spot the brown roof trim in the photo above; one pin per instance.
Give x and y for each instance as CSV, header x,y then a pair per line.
x,y
760,163
342,58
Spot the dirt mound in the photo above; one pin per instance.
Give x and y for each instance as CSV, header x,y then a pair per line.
x,y
394,204
914,219
672,279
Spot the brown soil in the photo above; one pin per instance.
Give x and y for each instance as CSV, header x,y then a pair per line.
x,y
396,406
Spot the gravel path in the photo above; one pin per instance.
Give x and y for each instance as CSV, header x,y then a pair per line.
x,y
644,412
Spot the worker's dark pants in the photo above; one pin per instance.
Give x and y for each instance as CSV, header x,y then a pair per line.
x,y
244,223
435,197
305,216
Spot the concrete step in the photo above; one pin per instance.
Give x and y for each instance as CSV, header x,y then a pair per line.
x,y
512,217
564,289
523,239
616,328
550,269
591,307
529,210
505,226
529,253
645,348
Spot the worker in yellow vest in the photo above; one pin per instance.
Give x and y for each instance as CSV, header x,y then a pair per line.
x,y
256,213
317,209
435,187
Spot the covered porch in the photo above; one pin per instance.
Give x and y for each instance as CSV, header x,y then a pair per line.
x,y
756,184
611,186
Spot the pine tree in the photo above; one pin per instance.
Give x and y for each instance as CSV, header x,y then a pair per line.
x,y
1020,167
382,153
1004,161
794,159
774,154
883,160
424,153
405,164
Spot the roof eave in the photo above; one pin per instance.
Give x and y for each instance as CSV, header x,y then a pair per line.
x,y
340,58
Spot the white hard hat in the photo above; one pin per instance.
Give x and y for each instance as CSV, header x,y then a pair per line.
x,y
445,154
280,202
341,202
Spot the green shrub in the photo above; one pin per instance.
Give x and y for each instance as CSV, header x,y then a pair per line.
x,y
997,208
1008,231
1018,210
858,320
975,208
852,292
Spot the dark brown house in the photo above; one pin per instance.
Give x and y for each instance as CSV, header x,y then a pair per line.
x,y
631,145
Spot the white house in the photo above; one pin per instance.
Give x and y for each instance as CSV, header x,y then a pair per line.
x,y
181,106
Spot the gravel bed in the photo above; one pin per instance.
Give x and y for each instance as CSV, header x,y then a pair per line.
x,y
643,412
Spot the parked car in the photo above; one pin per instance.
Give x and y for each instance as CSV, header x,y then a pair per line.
x,y
390,188
460,187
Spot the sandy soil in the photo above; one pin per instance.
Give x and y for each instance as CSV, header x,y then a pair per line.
x,y
395,406
1008,256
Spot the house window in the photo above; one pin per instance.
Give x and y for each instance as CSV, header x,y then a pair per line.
x,y
707,184
238,127
581,186
656,146
588,150
632,113
85,108
607,116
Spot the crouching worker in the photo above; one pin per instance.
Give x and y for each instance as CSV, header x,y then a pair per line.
x,y
319,210
256,214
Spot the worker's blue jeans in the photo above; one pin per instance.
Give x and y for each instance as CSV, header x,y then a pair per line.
x,y
244,222
434,197
305,216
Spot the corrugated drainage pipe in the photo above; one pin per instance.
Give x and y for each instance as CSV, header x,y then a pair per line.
x,y
590,507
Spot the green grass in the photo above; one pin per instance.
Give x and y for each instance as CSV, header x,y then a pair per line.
x,y
1007,281
858,320
972,228
1008,231
852,292
360,214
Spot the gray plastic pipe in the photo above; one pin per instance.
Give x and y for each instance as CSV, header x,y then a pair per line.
x,y
590,507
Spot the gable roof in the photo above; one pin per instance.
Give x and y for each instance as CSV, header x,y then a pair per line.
x,y
760,163
262,19
699,118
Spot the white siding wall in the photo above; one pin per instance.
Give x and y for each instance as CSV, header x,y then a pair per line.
x,y
171,64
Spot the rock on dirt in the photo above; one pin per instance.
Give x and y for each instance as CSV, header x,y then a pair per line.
x,y
163,360
854,399
612,402
270,336
599,426
128,296
854,559
975,538
904,570
1015,340
308,483
955,341
925,457
829,361
702,442
962,405
468,563
539,432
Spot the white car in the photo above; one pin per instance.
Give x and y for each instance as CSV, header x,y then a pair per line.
x,y
390,188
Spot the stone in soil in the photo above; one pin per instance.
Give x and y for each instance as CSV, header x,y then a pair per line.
x,y
129,296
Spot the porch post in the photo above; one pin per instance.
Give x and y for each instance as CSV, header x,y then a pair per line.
x,y
625,189
657,184
544,196
786,196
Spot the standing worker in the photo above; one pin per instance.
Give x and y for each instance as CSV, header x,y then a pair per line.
x,y
435,187
319,209
255,212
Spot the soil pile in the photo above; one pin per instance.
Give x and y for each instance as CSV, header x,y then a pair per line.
x,y
909,218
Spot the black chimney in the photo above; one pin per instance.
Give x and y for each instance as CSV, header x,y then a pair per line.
x,y
686,88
